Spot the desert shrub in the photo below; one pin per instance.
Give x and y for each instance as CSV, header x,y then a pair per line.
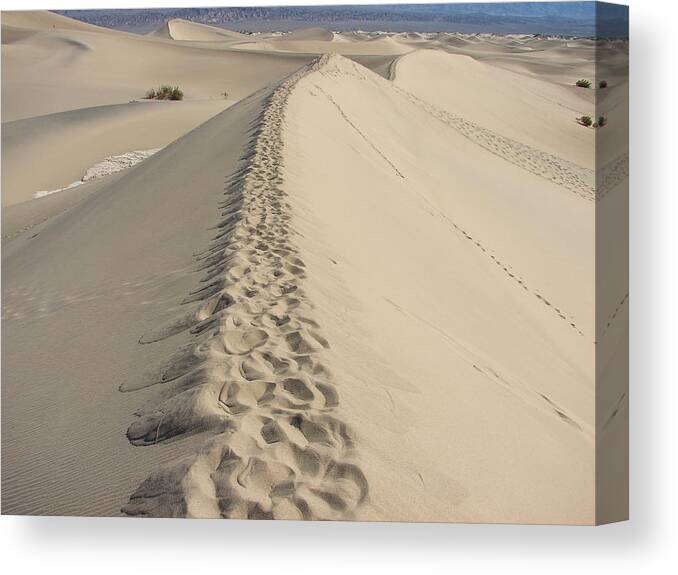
x,y
602,84
176,94
583,83
602,120
586,121
165,92
225,94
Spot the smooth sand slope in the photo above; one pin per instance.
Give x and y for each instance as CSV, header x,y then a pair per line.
x,y
44,20
343,297
450,301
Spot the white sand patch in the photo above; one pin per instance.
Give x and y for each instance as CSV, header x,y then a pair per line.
x,y
44,193
114,164
110,165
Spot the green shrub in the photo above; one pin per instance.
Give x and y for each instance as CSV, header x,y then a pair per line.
x,y
586,121
602,84
602,120
165,92
176,94
583,83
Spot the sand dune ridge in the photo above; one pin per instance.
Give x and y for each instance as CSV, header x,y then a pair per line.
x,y
254,379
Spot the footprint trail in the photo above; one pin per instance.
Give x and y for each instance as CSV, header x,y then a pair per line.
x,y
253,380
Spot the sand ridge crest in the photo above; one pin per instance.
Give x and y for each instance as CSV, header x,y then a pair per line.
x,y
254,379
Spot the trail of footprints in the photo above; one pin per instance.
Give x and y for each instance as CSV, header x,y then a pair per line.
x,y
253,377
563,173
569,175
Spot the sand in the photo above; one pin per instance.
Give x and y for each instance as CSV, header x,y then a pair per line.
x,y
361,286
183,30
34,157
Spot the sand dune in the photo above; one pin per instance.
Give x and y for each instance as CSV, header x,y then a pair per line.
x,y
45,20
34,157
375,47
123,249
86,68
11,34
334,295
379,301
96,133
254,378
184,30
270,315
307,35
279,349
528,110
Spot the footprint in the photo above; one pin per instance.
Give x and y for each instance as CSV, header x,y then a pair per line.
x,y
240,342
298,389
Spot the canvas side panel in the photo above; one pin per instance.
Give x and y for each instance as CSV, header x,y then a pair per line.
x,y
612,269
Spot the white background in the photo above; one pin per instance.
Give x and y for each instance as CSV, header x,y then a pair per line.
x,y
646,544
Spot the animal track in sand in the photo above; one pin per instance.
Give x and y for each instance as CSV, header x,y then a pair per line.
x,y
513,276
481,364
359,131
253,380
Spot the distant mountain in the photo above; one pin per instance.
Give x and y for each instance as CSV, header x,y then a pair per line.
x,y
562,18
